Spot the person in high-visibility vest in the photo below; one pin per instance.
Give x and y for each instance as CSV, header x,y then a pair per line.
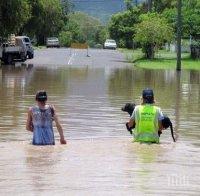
x,y
147,119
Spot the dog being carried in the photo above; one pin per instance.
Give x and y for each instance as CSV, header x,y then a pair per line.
x,y
165,122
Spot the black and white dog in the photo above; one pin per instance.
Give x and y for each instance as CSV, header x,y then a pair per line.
x,y
166,122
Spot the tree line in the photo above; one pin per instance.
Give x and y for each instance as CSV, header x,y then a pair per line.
x,y
40,19
83,28
37,18
142,25
151,25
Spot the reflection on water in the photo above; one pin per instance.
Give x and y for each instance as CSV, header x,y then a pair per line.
x,y
100,156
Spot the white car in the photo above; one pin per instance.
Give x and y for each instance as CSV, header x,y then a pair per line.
x,y
110,44
52,42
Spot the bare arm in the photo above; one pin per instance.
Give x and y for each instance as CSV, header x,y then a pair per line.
x,y
160,118
29,124
59,128
160,128
131,123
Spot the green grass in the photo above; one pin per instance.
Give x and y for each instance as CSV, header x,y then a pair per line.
x,y
163,60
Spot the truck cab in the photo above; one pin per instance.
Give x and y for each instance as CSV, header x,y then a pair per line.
x,y
26,42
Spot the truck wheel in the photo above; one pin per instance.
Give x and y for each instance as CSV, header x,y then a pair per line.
x,y
9,59
30,56
23,57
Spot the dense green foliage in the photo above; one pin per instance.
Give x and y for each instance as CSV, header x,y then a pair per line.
x,y
47,19
13,15
36,18
65,38
125,25
160,5
190,19
40,19
121,27
152,31
43,18
84,28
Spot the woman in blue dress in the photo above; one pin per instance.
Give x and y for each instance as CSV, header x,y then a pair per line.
x,y
40,122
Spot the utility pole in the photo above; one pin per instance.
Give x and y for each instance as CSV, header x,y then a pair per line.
x,y
149,5
179,34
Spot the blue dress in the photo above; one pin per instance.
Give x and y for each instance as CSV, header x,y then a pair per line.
x,y
42,126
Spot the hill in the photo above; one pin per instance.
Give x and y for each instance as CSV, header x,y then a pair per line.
x,y
102,9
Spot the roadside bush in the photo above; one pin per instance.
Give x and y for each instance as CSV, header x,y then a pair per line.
x,y
91,43
65,38
99,46
121,43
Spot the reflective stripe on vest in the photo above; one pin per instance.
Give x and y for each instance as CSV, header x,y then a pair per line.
x,y
146,124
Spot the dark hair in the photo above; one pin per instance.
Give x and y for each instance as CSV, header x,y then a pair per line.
x,y
148,96
41,96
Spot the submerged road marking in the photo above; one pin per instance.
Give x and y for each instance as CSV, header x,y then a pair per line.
x,y
70,59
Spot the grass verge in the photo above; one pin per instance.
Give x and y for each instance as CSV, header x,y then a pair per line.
x,y
163,60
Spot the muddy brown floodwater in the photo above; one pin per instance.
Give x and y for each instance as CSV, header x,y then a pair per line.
x,y
100,158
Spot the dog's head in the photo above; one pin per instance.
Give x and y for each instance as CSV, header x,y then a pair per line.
x,y
128,107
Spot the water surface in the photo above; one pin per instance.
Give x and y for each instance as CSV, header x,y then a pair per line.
x,y
100,157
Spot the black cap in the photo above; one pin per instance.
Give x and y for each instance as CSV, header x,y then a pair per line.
x,y
148,95
41,96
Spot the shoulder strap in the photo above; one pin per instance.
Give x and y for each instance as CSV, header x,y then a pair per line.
x,y
52,110
34,108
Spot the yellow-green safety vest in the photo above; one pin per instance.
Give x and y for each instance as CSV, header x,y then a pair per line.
x,y
146,129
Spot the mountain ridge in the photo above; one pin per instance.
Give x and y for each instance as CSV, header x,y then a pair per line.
x,y
101,9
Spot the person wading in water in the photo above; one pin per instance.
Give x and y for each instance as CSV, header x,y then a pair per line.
x,y
147,119
40,122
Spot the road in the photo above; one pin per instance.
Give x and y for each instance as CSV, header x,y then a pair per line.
x,y
65,56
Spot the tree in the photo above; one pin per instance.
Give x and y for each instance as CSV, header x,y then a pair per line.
x,y
85,28
152,31
149,5
179,34
190,19
101,35
65,38
74,28
13,15
121,27
129,4
67,6
160,5
47,19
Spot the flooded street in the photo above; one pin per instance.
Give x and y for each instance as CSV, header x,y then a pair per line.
x,y
100,158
